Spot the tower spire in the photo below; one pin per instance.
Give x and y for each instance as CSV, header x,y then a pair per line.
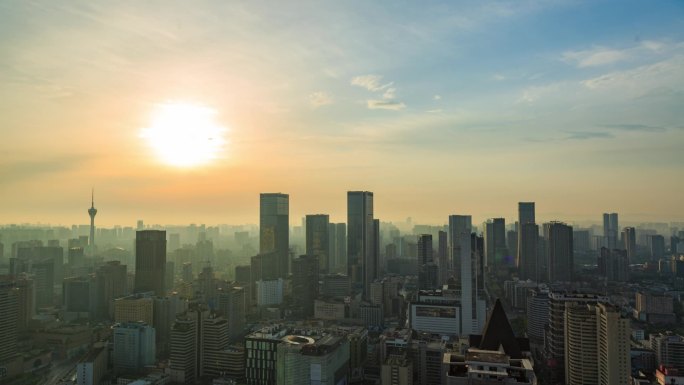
x,y
92,197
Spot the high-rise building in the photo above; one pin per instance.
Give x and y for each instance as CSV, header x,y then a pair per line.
x,y
305,283
526,213
428,272
150,261
9,309
443,256
669,349
528,253
629,238
494,231
560,251
337,247
80,296
274,229
613,265
657,246
262,354
134,308
44,278
185,352
555,335
317,240
597,345
425,249
362,263
92,211
134,346
231,304
397,370
537,315
111,284
472,307
610,230
215,342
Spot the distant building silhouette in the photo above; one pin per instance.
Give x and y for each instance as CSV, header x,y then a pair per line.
x,y
317,240
559,251
610,230
150,261
274,230
92,211
362,263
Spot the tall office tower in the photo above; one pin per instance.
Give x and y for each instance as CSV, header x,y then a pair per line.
x,y
44,280
610,230
526,213
424,249
555,336
380,266
537,315
613,265
361,262
560,251
262,354
443,257
317,240
629,237
80,296
134,346
186,353
305,283
657,246
111,284
472,307
92,211
215,343
337,248
597,342
231,304
528,256
428,272
26,300
9,309
274,229
76,257
494,242
150,261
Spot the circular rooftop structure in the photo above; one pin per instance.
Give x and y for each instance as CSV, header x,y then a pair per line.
x,y
298,340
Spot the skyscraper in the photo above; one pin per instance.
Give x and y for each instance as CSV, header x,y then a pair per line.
x,y
317,240
443,257
305,283
134,346
629,238
610,230
9,309
560,251
428,273
362,264
494,242
92,211
529,266
150,261
526,213
472,307
274,229
527,258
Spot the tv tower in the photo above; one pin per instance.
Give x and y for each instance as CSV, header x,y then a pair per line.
x,y
92,211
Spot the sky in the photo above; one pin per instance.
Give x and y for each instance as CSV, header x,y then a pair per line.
x,y
459,107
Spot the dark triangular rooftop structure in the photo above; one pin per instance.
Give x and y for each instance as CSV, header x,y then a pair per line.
x,y
499,333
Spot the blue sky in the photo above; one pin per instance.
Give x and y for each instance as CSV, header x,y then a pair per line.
x,y
458,107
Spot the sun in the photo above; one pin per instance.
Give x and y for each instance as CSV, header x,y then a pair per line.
x,y
185,134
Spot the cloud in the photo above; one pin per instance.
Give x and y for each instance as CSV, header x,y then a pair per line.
x,y
635,127
390,93
498,77
584,135
666,73
386,105
320,98
437,97
370,82
595,57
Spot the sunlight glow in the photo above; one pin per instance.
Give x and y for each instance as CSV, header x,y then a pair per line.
x,y
184,134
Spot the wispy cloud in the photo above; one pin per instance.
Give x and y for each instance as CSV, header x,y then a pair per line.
x,y
595,57
635,127
320,98
386,105
370,82
584,135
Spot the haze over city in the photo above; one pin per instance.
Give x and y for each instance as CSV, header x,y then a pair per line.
x,y
435,107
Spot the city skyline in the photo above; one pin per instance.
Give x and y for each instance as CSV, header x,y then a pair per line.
x,y
467,107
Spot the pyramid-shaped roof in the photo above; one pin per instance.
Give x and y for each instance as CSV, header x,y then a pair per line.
x,y
498,333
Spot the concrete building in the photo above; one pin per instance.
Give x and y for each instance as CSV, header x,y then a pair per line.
x,y
269,292
362,261
262,354
305,283
397,370
669,349
150,262
9,313
133,346
312,359
613,265
610,230
274,230
494,231
91,368
629,239
317,240
134,308
560,252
